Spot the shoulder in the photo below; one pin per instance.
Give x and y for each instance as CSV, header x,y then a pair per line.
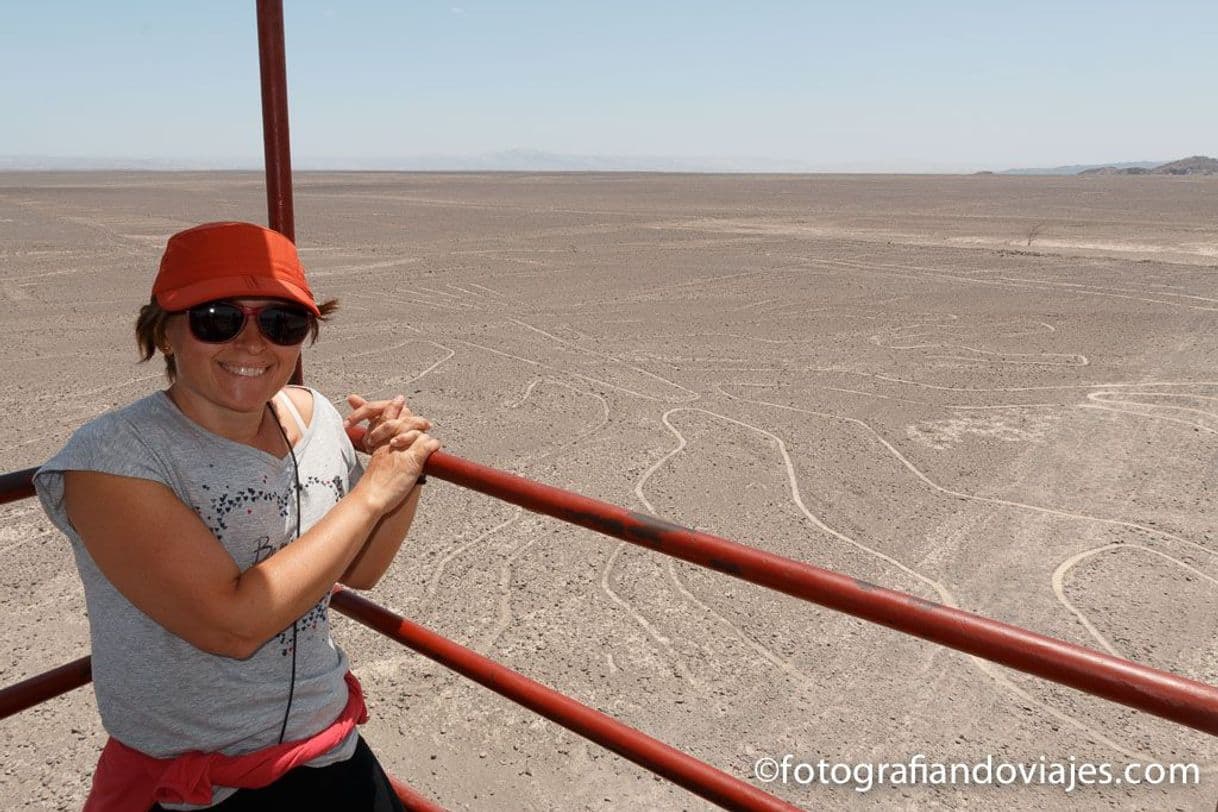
x,y
303,398
311,403
124,422
115,443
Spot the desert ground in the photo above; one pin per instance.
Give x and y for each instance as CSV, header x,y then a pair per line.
x,y
993,392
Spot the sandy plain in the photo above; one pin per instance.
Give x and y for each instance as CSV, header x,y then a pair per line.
x,y
995,392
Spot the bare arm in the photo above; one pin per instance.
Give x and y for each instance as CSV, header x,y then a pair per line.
x,y
395,425
162,558
373,560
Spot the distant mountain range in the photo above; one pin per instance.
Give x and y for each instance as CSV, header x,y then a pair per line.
x,y
1196,165
512,160
531,160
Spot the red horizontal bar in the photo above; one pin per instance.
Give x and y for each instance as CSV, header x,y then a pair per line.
x,y
696,776
17,485
1161,693
40,688
413,801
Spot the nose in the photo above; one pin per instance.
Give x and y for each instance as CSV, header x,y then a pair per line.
x,y
250,338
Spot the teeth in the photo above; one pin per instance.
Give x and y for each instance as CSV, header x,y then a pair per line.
x,y
246,372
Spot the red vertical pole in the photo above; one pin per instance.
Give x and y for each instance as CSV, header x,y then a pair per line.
x,y
272,66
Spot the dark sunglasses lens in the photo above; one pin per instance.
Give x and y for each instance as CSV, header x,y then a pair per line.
x,y
285,325
215,323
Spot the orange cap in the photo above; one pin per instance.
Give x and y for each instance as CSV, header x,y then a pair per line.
x,y
229,261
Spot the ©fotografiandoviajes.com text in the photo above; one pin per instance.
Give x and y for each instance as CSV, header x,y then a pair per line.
x,y
1068,774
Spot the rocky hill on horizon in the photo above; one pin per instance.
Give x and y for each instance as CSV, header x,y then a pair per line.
x,y
1194,165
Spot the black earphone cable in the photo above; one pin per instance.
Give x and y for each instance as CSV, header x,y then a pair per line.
x,y
283,729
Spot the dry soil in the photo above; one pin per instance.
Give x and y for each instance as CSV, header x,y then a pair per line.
x,y
993,392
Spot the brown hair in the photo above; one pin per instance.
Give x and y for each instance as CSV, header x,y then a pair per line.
x,y
150,331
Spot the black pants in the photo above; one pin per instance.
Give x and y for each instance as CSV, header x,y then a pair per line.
x,y
358,783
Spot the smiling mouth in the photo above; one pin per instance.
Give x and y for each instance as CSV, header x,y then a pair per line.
x,y
244,372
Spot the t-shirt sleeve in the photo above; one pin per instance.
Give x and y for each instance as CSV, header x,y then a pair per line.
x,y
109,445
351,461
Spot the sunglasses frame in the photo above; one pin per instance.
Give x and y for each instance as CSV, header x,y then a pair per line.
x,y
246,313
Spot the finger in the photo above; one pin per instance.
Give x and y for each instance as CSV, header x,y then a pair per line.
x,y
381,432
384,431
394,409
424,446
404,440
354,401
367,411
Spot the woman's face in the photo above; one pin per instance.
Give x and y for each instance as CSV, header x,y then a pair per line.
x,y
239,375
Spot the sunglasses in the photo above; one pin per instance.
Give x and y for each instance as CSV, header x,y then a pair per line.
x,y
218,322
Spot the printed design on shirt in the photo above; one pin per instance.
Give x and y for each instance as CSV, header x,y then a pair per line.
x,y
314,621
233,505
223,514
334,484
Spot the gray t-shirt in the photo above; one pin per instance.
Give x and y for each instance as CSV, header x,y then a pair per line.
x,y
156,692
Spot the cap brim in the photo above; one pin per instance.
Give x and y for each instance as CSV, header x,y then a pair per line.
x,y
235,287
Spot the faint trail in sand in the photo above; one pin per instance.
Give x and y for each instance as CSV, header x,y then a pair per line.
x,y
1086,287
434,582
1042,358
39,398
457,301
1152,531
383,350
21,542
503,612
1059,577
363,267
693,395
561,371
890,269
26,278
403,380
764,651
504,616
500,294
1113,401
651,294
584,435
990,669
662,640
936,387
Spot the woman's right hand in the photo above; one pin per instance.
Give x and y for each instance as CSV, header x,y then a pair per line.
x,y
394,469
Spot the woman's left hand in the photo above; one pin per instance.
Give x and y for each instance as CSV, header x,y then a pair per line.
x,y
387,420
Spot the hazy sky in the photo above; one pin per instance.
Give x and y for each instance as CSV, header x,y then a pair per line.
x,y
878,85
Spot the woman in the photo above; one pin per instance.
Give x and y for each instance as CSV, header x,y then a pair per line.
x,y
209,523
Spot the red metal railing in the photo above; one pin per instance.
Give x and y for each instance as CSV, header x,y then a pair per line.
x,y
1158,692
696,776
41,687
1161,693
17,485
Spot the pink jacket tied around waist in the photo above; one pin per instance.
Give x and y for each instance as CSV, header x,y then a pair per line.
x,y
127,780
